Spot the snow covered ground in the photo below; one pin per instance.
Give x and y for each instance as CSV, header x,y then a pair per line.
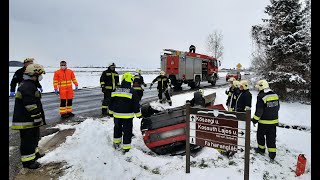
x,y
90,155
86,77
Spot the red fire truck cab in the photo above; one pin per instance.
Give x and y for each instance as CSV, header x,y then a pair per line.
x,y
189,68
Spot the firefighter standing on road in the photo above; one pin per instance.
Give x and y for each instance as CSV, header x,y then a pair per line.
x,y
163,83
244,99
109,81
232,93
28,115
124,104
138,82
266,116
62,83
18,77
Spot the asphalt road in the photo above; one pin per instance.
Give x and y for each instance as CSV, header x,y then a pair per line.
x,y
86,103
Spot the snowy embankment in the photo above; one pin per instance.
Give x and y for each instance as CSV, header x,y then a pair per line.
x,y
90,155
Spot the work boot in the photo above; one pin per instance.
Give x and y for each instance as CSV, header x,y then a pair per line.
x,y
272,155
124,151
64,116
70,114
170,103
259,150
33,164
38,155
116,145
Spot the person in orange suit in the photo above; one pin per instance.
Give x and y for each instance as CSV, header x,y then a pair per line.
x,y
62,83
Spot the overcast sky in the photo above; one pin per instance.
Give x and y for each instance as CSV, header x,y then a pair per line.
x,y
130,33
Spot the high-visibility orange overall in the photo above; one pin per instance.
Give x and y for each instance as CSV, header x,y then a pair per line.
x,y
62,80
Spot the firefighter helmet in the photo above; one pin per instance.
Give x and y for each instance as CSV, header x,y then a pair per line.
x,y
138,71
231,79
201,91
236,83
244,84
34,70
28,60
162,73
262,84
127,77
112,64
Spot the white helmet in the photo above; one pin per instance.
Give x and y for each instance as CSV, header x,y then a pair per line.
x,y
231,79
236,83
34,70
201,91
138,71
244,84
162,73
262,84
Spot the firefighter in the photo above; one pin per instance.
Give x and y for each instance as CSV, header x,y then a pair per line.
x,y
109,81
137,82
266,115
163,83
192,49
124,104
18,77
244,99
62,83
232,93
198,99
28,115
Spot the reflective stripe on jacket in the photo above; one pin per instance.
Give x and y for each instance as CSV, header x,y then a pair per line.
x,y
109,79
28,111
267,107
138,82
163,82
124,102
62,80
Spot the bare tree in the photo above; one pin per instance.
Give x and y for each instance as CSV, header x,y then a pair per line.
x,y
214,44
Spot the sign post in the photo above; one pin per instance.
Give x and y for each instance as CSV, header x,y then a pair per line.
x,y
188,139
229,131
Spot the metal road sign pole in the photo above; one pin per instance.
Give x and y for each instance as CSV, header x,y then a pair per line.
x,y
247,146
188,138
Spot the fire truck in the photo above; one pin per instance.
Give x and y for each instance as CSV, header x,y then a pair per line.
x,y
189,68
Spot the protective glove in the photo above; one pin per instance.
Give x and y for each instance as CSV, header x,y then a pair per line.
x,y
145,85
188,101
254,122
150,86
12,94
41,90
76,88
56,91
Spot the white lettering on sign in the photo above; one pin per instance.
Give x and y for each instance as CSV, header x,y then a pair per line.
x,y
207,128
221,146
207,120
227,137
227,131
